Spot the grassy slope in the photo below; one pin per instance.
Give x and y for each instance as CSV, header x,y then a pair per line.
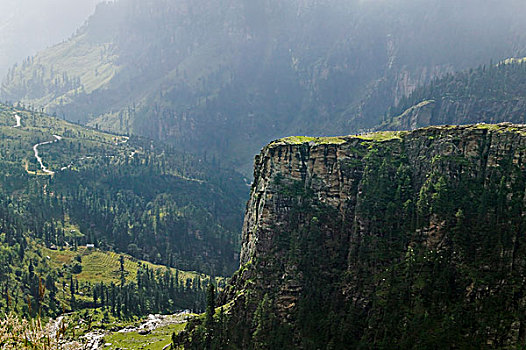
x,y
102,266
94,64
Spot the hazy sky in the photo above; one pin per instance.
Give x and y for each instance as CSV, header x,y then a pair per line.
x,y
27,26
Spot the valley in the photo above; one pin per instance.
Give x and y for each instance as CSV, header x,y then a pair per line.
x,y
253,175
61,248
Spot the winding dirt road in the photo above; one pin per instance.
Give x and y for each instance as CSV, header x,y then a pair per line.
x,y
18,121
35,147
39,159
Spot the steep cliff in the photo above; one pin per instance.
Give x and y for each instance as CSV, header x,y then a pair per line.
x,y
388,240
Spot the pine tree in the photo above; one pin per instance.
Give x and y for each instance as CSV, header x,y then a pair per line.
x,y
263,322
123,278
209,315
72,291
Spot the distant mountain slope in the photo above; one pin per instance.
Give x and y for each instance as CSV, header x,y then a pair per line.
x,y
27,26
226,77
490,93
121,193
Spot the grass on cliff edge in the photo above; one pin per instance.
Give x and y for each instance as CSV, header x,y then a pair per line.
x,y
374,136
298,140
380,136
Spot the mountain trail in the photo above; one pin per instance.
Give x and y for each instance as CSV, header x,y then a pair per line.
x,y
18,121
39,159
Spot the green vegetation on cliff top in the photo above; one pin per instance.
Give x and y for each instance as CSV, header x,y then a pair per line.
x,y
380,136
337,140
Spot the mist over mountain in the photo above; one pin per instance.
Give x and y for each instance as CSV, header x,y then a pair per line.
x,y
27,26
223,78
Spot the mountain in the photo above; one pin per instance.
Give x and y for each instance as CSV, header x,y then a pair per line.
x,y
66,189
404,240
224,78
25,26
490,94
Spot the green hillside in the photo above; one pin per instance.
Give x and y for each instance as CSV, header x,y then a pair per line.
x,y
104,266
122,196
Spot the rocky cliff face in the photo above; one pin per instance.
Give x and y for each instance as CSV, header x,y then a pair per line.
x,y
404,239
332,169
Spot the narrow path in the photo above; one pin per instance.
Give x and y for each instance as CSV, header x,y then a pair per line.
x,y
39,159
18,120
54,326
35,147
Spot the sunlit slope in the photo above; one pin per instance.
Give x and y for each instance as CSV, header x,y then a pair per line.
x,y
121,193
75,145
